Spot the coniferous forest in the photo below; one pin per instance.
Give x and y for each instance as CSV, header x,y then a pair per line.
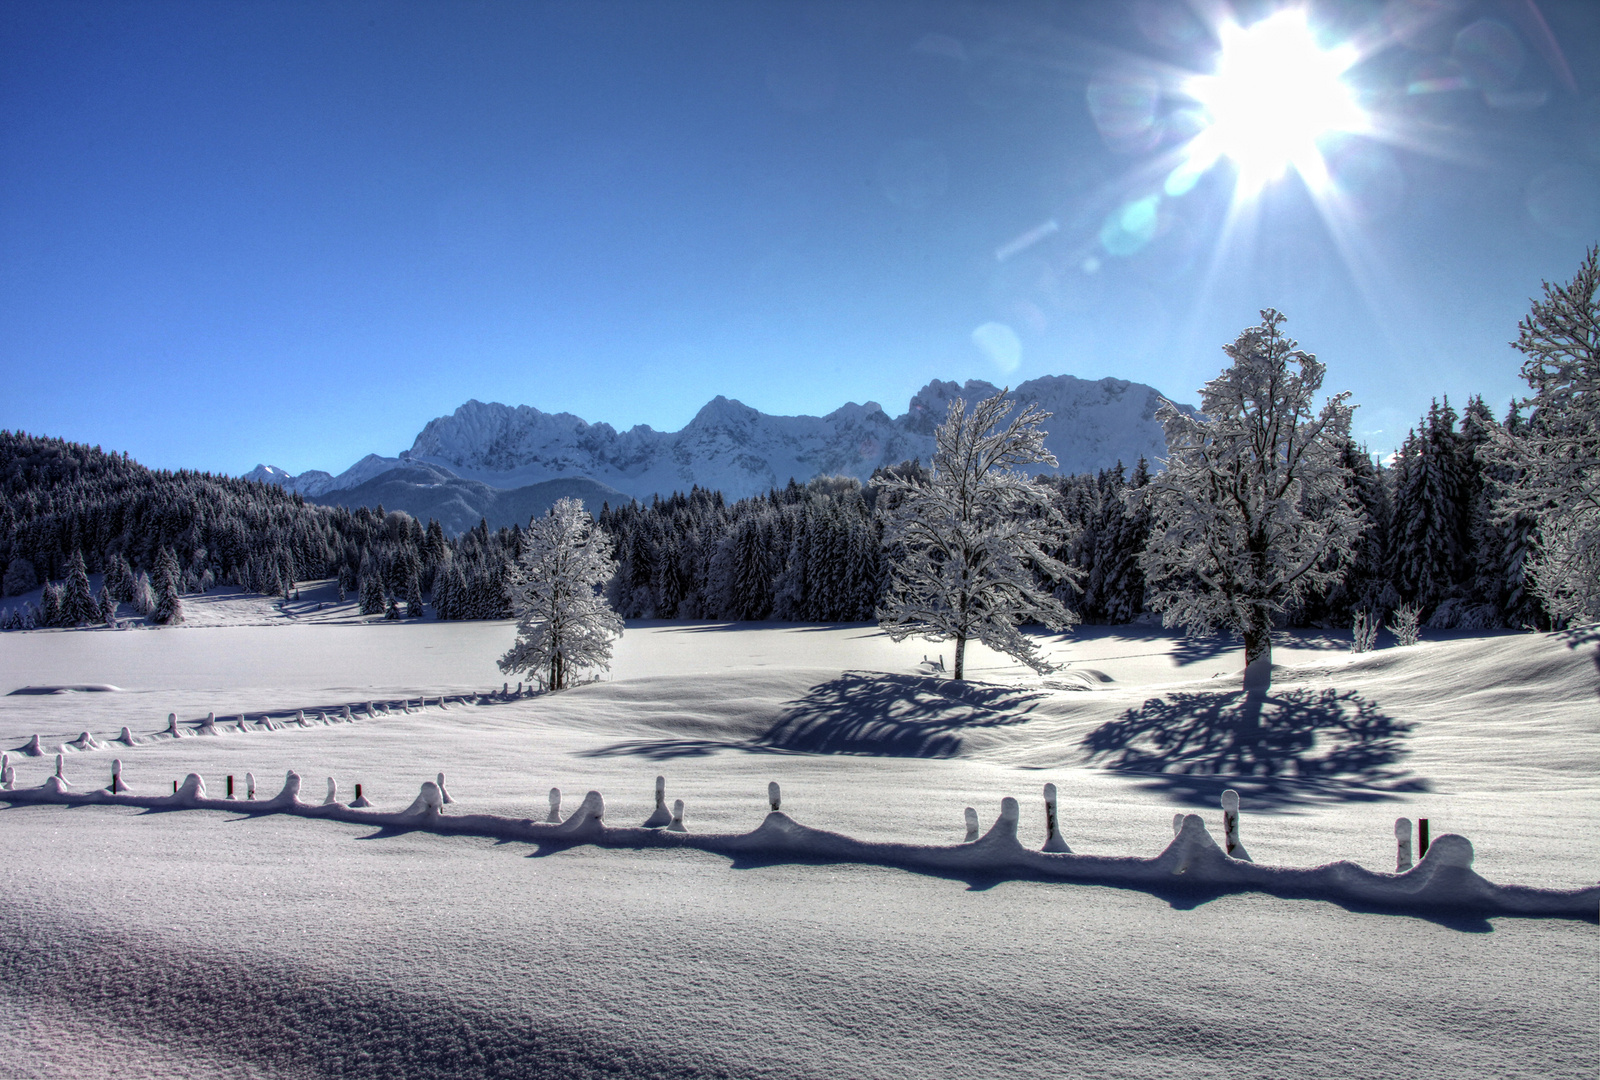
x,y
806,552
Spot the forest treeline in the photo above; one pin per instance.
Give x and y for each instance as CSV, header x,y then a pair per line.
x,y
808,552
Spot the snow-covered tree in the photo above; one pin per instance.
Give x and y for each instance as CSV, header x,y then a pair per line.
x,y
78,605
168,609
1255,505
564,623
119,578
144,596
372,598
1556,454
966,545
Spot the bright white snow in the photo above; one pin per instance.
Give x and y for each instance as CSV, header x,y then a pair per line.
x,y
146,943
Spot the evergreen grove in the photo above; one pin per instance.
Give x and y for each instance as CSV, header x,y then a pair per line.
x,y
806,552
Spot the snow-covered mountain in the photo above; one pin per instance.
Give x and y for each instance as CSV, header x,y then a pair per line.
x,y
733,448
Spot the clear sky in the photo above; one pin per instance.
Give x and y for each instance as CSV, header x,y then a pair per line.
x,y
244,232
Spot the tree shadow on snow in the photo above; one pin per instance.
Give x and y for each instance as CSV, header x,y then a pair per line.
x,y
1277,748
895,715
863,713
1188,650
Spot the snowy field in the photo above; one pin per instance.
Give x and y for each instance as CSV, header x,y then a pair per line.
x,y
140,943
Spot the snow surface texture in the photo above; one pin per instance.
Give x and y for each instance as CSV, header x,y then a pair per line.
x,y
740,451
300,944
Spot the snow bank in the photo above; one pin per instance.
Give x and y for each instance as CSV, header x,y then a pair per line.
x,y
1192,862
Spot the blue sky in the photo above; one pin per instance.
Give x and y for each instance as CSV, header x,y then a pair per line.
x,y
234,233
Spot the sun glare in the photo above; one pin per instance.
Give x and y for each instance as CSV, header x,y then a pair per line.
x,y
1275,93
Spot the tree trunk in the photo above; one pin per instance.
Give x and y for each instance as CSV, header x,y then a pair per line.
x,y
961,654
1258,652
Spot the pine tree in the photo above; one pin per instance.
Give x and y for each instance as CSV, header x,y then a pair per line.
x,y
78,605
107,605
168,609
372,596
564,624
1432,546
966,544
119,578
51,609
414,597
144,599
1232,543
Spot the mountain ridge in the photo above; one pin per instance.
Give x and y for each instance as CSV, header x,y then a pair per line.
x,y
741,451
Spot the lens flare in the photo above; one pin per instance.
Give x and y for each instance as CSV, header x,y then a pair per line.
x,y
1276,92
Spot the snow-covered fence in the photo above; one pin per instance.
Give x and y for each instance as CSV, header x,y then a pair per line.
x,y
1402,837
1441,879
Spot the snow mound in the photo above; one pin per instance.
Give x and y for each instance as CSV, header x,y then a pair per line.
x,y
74,688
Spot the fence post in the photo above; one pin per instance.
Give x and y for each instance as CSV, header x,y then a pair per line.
x,y
1230,820
972,825
250,785
1402,837
554,817
774,795
1422,838
230,785
1052,831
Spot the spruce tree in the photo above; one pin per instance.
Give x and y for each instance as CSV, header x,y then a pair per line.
x,y
51,611
78,605
372,598
168,609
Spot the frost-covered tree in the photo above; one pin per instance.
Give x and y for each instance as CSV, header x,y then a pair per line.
x,y
372,598
1556,454
78,605
564,623
119,578
968,544
168,609
50,606
144,597
1255,505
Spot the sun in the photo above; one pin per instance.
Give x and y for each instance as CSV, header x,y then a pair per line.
x,y
1275,93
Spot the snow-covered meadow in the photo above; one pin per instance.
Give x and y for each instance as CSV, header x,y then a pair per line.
x,y
212,943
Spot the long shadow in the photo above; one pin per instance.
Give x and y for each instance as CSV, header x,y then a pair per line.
x,y
1277,748
874,714
1192,650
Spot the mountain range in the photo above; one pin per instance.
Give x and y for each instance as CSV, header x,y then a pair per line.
x,y
504,463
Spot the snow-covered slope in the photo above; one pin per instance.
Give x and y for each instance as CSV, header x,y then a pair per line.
x,y
315,482
741,451
429,492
